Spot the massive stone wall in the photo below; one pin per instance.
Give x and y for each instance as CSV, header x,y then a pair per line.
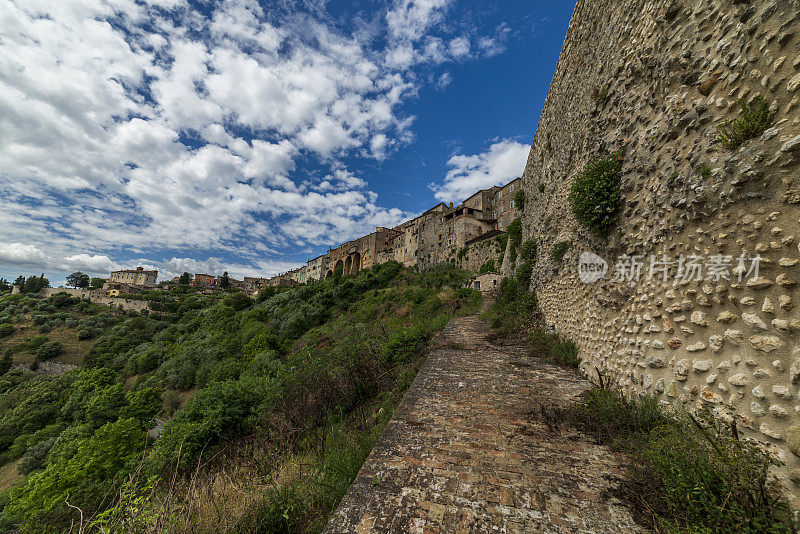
x,y
655,78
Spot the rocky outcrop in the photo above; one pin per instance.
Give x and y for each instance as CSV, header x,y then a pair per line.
x,y
655,78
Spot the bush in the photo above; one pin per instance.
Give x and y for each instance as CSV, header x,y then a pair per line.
x,y
689,473
51,349
523,275
559,249
488,266
541,188
595,194
6,330
755,119
527,251
519,200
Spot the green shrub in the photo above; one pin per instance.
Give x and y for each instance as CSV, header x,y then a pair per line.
x,y
514,232
559,249
595,194
51,349
488,266
6,330
690,473
519,200
755,119
527,251
704,171
541,188
565,352
523,275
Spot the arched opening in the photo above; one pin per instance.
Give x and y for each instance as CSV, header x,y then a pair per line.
x,y
330,273
356,263
338,269
348,265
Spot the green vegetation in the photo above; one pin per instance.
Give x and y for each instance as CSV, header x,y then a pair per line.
x,y
519,200
704,171
513,308
78,279
559,249
541,188
595,194
514,233
599,93
271,407
755,119
488,266
689,473
553,348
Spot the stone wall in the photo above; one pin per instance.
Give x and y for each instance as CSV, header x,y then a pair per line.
x,y
98,297
655,78
476,254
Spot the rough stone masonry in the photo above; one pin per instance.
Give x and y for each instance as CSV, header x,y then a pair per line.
x,y
655,78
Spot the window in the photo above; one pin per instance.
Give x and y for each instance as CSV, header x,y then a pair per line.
x,y
500,194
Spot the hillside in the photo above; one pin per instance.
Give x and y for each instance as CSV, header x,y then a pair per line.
x,y
270,406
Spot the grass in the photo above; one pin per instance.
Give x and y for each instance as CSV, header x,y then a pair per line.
x,y
553,348
687,473
755,119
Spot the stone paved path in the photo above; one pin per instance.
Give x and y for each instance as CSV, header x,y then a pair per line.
x,y
469,450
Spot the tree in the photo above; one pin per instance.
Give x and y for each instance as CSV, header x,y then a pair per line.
x,y
4,285
185,279
20,281
35,283
96,283
78,279
224,281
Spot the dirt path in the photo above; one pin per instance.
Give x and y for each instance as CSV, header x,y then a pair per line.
x,y
474,447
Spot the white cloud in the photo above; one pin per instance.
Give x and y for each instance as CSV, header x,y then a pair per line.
x,y
21,254
459,47
444,80
501,163
409,19
123,132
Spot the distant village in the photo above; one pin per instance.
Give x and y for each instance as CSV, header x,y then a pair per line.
x,y
434,237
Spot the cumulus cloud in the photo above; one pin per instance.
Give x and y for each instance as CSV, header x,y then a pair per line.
x,y
122,132
500,163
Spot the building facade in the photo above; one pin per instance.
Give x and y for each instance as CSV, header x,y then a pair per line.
x,y
137,277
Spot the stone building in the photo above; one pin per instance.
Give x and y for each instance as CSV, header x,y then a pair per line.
x,y
204,280
436,236
137,277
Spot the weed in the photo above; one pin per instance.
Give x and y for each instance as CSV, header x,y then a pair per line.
x,y
599,93
704,171
755,119
541,188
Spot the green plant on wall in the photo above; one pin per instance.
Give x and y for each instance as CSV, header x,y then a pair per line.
x,y
514,232
488,266
755,119
559,249
519,200
528,250
704,171
541,188
595,194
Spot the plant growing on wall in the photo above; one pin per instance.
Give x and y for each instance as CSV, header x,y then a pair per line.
x,y
528,251
514,232
595,194
559,249
755,119
519,200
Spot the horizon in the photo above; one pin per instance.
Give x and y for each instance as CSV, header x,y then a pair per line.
x,y
151,152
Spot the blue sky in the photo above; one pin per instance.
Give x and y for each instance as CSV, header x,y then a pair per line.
x,y
248,136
